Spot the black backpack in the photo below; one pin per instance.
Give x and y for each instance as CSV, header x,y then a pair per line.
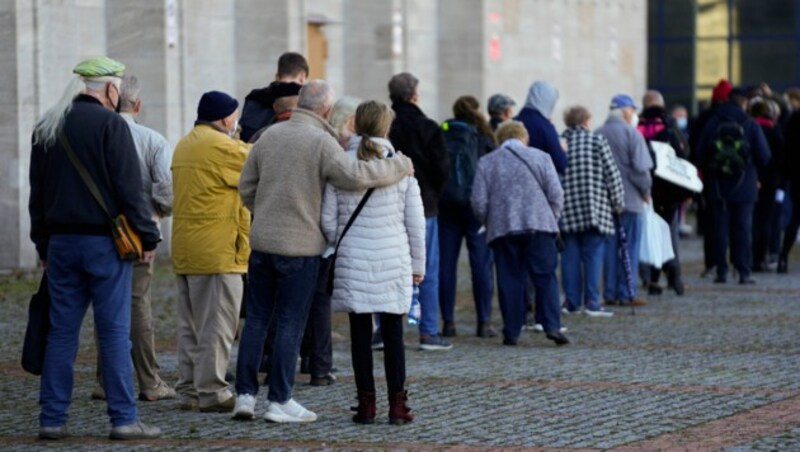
x,y
730,150
463,145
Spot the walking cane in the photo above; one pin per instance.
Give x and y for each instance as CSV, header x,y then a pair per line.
x,y
625,258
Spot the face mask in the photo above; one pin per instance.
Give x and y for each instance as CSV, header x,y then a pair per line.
x,y
682,122
635,119
232,132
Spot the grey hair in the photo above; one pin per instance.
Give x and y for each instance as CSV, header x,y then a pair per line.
x,y
46,129
652,98
129,92
402,87
343,109
617,113
315,95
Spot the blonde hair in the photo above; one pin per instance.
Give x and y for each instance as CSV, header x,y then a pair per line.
x,y
373,119
512,129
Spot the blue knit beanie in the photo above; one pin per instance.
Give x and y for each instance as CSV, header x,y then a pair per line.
x,y
215,105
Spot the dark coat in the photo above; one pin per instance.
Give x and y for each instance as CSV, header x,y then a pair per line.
x,y
745,188
60,202
421,139
771,176
257,112
543,136
791,133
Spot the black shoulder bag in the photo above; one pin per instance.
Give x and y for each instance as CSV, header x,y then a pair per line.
x,y
332,268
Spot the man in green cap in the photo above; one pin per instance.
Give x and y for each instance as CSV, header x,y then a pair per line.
x,y
82,136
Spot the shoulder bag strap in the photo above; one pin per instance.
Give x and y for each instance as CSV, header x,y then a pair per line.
x,y
87,179
353,217
533,173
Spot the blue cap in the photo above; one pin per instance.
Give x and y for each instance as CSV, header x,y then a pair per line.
x,y
622,101
215,105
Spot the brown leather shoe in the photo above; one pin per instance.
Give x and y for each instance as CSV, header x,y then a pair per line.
x,y
399,412
365,411
226,406
637,302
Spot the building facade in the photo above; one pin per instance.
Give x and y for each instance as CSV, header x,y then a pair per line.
x,y
589,49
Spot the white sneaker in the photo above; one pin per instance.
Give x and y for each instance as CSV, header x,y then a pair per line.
x,y
290,411
540,329
245,409
598,313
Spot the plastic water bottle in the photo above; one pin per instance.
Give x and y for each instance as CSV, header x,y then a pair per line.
x,y
415,312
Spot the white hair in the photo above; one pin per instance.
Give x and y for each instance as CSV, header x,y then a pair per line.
x,y
343,109
46,130
129,92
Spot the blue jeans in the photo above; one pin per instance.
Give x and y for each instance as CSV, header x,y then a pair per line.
x,y
429,289
279,291
581,262
733,219
453,228
615,284
519,257
83,269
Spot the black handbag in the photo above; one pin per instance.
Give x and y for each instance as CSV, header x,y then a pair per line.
x,y
329,285
35,345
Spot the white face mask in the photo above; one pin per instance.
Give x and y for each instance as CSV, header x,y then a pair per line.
x,y
231,133
682,122
635,119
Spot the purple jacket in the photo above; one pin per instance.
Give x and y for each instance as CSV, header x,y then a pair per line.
x,y
514,196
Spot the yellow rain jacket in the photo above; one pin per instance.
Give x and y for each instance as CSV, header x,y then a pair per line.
x,y
210,226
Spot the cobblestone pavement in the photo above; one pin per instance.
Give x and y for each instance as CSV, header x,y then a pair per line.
x,y
717,369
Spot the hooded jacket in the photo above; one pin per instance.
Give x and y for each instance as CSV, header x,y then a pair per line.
x,y
384,246
539,105
421,139
257,111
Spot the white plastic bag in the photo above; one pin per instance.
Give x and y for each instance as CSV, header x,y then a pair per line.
x,y
655,247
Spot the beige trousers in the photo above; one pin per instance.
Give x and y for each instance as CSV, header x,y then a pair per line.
x,y
143,349
208,315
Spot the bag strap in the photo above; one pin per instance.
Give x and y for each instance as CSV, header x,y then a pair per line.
x,y
87,179
533,173
353,217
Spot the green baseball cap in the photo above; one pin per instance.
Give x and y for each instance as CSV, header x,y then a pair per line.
x,y
100,67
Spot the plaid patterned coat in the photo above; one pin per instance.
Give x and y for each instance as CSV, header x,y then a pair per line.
x,y
592,184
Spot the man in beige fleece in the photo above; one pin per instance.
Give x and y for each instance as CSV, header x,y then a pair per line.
x,y
282,184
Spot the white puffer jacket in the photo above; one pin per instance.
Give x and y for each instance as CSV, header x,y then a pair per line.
x,y
383,248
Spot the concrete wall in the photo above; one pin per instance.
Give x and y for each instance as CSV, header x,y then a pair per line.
x,y
589,49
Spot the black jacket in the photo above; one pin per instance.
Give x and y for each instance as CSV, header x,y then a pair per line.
x,y
257,112
60,202
791,133
421,139
771,176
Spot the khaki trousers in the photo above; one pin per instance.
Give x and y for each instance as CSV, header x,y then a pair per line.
x,y
143,349
208,315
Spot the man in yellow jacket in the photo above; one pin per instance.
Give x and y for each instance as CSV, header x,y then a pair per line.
x,y
210,250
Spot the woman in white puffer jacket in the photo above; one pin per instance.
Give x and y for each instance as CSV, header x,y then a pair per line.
x,y
379,260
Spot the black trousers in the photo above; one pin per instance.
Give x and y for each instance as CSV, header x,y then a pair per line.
x,y
790,235
394,354
671,214
317,343
762,226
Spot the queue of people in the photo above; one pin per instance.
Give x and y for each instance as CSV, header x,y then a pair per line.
x,y
362,207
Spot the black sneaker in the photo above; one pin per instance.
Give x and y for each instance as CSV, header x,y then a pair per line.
x,y
511,342
325,380
783,266
747,281
485,329
654,289
557,337
432,343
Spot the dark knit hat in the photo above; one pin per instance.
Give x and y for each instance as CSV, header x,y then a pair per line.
x,y
215,105
285,89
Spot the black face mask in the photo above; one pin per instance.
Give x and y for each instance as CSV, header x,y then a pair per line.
x,y
118,107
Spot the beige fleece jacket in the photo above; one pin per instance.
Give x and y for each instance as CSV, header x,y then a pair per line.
x,y
284,178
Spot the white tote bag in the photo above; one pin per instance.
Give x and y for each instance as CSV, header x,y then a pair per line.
x,y
655,247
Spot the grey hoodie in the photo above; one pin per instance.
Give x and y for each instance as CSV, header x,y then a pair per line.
x,y
542,96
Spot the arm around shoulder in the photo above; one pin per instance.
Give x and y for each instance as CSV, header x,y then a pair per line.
x,y
348,174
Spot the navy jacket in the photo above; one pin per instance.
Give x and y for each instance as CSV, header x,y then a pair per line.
x,y
543,135
421,140
740,190
60,202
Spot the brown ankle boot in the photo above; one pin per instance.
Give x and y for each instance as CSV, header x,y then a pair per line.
x,y
365,411
399,413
